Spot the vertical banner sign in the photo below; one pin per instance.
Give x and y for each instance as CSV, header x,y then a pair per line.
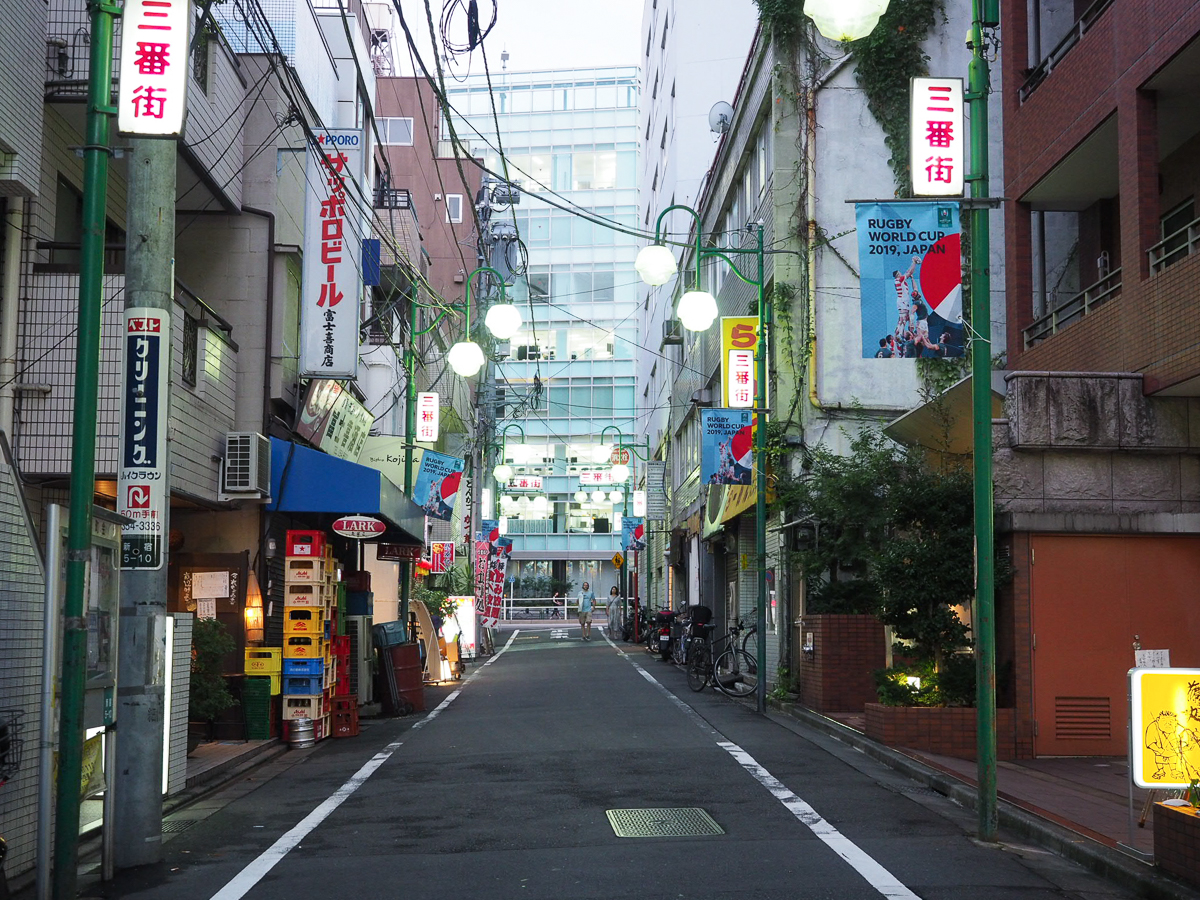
x,y
142,469
441,557
633,534
910,261
427,417
937,142
483,553
639,503
739,337
437,482
656,489
1165,727
152,96
333,234
726,446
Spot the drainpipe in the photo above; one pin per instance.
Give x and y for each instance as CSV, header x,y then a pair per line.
x,y
268,333
10,291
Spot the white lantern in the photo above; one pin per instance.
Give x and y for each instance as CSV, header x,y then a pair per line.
x,y
601,454
581,496
697,310
597,496
845,20
655,264
523,504
620,473
506,501
503,473
540,504
615,496
503,320
465,358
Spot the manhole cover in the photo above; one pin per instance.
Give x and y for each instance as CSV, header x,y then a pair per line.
x,y
687,822
177,825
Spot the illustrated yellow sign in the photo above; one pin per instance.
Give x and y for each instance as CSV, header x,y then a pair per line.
x,y
1165,708
618,560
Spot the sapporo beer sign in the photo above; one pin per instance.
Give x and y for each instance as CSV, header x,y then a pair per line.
x,y
333,233
142,489
152,96
359,527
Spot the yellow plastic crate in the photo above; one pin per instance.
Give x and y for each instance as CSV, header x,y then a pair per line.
x,y
265,661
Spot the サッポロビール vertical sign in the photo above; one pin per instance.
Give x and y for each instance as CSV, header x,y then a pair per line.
x,y
142,494
152,92
938,145
333,233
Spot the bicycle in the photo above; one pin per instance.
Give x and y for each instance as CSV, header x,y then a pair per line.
x,y
734,673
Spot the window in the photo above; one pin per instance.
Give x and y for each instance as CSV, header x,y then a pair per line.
x,y
454,208
396,131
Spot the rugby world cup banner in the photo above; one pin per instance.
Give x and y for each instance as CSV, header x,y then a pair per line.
x,y
633,533
726,446
910,261
436,486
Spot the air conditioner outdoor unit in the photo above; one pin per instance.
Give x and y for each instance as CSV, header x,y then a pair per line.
x,y
672,332
246,469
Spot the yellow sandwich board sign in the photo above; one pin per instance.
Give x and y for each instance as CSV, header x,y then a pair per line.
x,y
1165,711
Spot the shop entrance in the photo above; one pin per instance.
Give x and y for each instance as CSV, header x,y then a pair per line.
x,y
1090,595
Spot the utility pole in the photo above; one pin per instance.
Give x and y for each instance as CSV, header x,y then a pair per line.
x,y
149,293
983,13
83,449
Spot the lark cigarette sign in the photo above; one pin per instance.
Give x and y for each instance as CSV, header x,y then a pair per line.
x,y
359,527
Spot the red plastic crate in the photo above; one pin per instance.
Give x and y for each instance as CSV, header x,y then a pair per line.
x,y
341,645
345,724
305,543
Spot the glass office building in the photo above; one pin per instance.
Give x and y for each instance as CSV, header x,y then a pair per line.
x,y
570,139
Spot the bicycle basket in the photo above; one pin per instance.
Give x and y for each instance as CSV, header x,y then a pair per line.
x,y
701,615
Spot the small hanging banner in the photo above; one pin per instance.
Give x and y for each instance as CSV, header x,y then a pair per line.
x,y
436,487
726,446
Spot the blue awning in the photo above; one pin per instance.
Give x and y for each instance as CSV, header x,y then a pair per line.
x,y
309,481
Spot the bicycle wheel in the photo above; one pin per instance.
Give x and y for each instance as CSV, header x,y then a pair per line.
x,y
699,669
750,643
735,673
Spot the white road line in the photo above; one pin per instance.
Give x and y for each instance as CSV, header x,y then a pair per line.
x,y
241,883
875,875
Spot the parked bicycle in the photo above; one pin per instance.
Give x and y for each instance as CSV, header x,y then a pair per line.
x,y
733,672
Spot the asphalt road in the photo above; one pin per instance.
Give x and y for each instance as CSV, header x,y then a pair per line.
x,y
503,792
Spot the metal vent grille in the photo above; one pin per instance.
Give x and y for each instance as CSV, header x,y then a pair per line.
x,y
685,822
247,462
174,826
1082,718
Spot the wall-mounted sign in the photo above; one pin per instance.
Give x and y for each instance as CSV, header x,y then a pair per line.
x,y
739,337
142,489
152,97
333,233
599,476
639,503
1165,709
333,420
619,456
937,143
656,489
399,552
359,527
524,483
441,556
428,417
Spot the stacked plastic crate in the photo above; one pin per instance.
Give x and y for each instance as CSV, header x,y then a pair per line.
x,y
263,684
310,611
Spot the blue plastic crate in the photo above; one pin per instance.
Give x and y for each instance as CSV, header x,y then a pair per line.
x,y
303,684
303,667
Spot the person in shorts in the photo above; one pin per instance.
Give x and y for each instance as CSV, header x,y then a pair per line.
x,y
587,602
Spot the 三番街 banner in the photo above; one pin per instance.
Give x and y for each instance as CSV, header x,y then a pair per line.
x,y
910,263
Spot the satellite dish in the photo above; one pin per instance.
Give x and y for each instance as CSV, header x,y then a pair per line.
x,y
720,117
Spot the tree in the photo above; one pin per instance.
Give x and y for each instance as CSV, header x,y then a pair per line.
x,y
208,694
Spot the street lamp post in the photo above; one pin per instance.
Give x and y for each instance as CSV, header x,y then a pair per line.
x,y
697,310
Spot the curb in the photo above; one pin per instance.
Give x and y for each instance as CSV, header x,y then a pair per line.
x,y
1111,864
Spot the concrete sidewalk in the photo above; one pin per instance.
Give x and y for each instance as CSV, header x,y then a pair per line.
x,y
1080,807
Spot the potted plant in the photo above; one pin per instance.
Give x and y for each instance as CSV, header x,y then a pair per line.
x,y
208,693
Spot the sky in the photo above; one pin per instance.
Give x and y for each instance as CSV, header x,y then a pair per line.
x,y
538,34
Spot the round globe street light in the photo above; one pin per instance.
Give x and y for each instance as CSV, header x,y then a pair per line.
x,y
845,20
620,473
581,496
540,504
597,496
465,358
503,472
615,496
656,264
503,320
697,310
601,453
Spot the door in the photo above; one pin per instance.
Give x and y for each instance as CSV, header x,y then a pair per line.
x,y
1090,596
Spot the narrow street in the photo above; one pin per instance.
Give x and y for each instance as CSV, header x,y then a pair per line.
x,y
502,791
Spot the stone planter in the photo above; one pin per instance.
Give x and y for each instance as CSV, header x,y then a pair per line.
x,y
837,676
943,730
1177,841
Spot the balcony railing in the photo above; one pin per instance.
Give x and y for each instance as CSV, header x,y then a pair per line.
x,y
392,198
1074,308
1043,69
1174,247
